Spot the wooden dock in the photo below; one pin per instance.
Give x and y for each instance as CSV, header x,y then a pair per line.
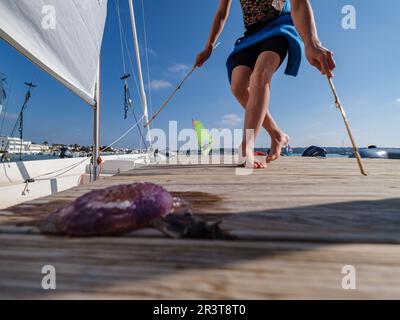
x,y
298,223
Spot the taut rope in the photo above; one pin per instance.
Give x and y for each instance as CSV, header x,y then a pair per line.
x,y
169,98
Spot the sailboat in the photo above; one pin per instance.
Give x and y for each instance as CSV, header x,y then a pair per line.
x,y
204,138
64,39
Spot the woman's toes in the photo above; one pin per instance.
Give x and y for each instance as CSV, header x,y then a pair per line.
x,y
259,165
272,158
276,148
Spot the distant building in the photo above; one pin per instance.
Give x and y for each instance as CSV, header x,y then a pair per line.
x,y
57,147
38,148
14,145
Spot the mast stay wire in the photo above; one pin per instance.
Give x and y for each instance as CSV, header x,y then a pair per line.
x,y
9,93
127,98
116,2
4,111
19,120
128,102
125,47
70,167
174,92
138,121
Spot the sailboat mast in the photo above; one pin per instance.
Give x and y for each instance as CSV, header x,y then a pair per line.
x,y
139,67
96,129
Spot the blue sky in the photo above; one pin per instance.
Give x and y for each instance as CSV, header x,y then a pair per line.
x,y
367,79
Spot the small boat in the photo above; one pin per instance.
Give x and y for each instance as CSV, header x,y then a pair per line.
x,y
373,152
315,151
260,154
66,153
287,151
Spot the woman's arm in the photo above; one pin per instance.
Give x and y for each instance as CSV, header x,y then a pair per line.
x,y
317,55
216,29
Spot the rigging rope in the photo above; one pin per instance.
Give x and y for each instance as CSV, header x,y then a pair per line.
x,y
70,167
128,100
88,158
174,92
126,133
21,132
116,2
6,103
19,120
9,96
127,95
143,140
170,97
125,47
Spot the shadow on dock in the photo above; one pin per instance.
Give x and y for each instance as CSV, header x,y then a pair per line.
x,y
375,221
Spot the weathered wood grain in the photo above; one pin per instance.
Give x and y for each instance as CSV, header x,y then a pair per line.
x,y
298,223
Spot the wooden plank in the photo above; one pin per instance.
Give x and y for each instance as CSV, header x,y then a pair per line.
x,y
284,202
169,269
298,223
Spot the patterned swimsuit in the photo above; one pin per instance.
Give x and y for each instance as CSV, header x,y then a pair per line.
x,y
256,13
269,27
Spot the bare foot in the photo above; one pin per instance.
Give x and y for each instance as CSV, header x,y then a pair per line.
x,y
250,162
277,143
256,164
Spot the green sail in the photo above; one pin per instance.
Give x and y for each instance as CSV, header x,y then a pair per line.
x,y
204,138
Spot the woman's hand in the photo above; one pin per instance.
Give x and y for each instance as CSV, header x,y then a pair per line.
x,y
321,58
203,56
317,55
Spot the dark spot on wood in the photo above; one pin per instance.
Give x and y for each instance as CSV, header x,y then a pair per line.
x,y
199,201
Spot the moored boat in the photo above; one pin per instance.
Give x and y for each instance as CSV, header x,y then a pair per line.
x,y
373,152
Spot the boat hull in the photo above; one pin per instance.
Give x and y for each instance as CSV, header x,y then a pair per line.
x,y
380,153
30,180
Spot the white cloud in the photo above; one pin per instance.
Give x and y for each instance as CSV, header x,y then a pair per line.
x,y
152,52
231,120
160,84
397,100
317,124
179,68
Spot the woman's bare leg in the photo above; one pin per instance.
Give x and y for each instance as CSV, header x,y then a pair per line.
x,y
240,89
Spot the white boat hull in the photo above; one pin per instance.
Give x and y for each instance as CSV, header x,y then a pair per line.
x,y
52,176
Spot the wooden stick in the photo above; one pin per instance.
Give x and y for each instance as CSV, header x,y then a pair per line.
x,y
346,122
169,98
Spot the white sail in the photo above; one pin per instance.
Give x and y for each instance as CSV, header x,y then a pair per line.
x,y
63,37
